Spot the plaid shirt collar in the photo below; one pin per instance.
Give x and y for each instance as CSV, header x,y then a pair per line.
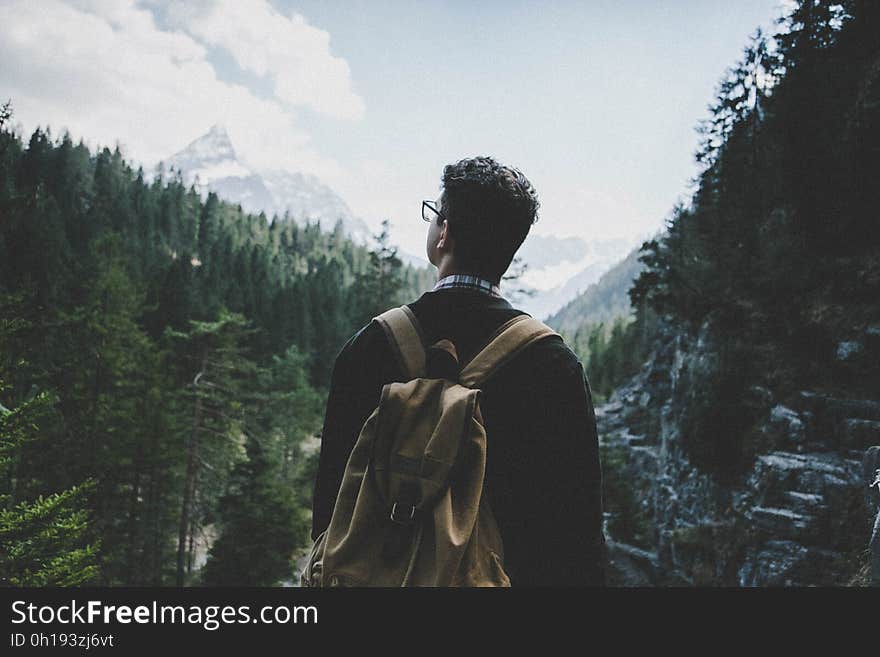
x,y
469,281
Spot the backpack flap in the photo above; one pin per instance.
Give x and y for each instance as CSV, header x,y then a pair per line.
x,y
421,429
424,436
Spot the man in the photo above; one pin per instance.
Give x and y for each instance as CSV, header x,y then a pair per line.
x,y
543,477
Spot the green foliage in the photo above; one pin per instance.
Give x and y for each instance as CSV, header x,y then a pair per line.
x,y
261,526
602,302
602,328
629,521
164,332
779,200
378,286
778,248
717,427
712,551
44,541
287,414
216,374
613,352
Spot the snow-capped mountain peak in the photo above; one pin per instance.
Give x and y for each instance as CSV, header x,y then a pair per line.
x,y
210,151
212,165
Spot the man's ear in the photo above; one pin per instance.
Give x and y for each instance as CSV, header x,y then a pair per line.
x,y
445,238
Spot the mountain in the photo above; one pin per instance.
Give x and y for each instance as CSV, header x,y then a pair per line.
x,y
603,301
304,195
212,165
559,269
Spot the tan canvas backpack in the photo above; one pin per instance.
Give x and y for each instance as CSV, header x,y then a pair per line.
x,y
410,509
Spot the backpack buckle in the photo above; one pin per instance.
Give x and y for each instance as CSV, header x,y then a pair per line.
x,y
399,514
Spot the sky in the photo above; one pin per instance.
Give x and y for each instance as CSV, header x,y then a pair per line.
x,y
594,101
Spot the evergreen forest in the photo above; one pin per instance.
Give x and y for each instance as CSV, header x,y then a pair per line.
x,y
164,363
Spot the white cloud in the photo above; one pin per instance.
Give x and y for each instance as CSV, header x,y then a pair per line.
x,y
293,54
104,70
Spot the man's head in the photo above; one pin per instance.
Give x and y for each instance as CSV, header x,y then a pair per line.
x,y
486,211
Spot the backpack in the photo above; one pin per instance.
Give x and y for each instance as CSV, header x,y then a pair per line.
x,y
410,509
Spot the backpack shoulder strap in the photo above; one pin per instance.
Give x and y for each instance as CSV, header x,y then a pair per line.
x,y
406,339
511,337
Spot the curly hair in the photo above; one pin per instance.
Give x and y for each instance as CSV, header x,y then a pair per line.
x,y
490,208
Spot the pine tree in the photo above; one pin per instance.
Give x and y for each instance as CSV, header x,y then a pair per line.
x,y
379,286
212,359
46,533
514,289
261,526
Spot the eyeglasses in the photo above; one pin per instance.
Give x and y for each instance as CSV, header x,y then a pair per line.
x,y
430,211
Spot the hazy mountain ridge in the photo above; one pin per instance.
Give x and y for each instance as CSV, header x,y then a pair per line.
x,y
559,269
603,301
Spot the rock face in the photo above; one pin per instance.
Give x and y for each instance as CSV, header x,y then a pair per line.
x,y
797,514
871,471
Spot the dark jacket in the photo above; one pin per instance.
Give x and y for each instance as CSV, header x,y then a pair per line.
x,y
543,477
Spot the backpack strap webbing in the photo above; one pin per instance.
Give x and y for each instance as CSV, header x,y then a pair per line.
x,y
511,337
406,339
408,344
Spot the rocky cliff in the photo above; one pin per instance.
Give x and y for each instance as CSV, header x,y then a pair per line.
x,y
798,512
